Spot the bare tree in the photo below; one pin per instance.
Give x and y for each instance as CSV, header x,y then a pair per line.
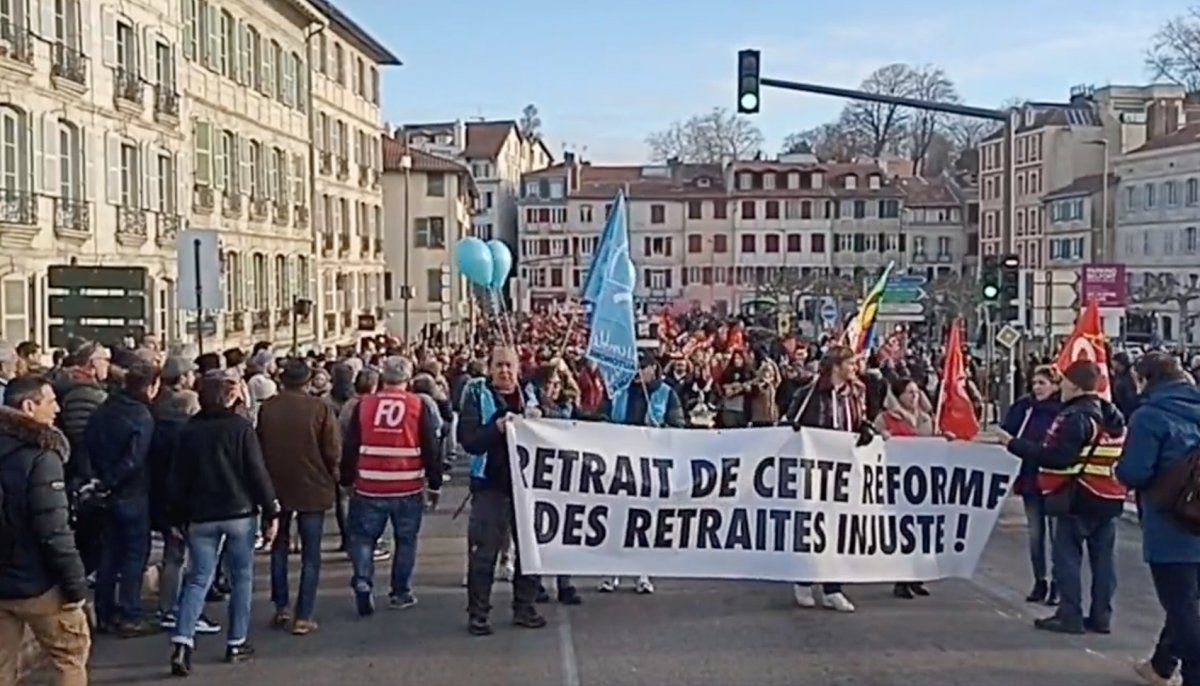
x,y
882,125
1166,289
530,124
968,132
1174,52
930,83
830,141
712,137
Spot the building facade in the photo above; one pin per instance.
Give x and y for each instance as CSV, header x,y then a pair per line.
x,y
140,119
428,201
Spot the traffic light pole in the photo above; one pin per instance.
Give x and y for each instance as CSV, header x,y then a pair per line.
x,y
883,98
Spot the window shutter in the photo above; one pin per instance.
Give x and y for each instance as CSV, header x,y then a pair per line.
x,y
219,160
108,27
244,169
113,165
50,161
47,20
270,189
247,61
88,183
202,149
298,179
152,196
289,82
188,28
301,84
285,178
214,37
150,55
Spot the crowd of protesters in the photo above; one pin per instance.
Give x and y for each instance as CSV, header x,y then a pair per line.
x,y
104,450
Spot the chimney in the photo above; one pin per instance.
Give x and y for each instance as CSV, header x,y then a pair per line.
x,y
1163,117
572,164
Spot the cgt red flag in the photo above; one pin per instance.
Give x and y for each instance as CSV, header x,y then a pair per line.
x,y
955,414
1087,342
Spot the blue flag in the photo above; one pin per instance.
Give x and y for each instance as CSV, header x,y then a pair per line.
x,y
615,230
612,339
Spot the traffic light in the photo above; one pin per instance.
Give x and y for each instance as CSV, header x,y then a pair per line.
x,y
1010,284
989,280
747,82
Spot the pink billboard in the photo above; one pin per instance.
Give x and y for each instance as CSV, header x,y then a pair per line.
x,y
1104,283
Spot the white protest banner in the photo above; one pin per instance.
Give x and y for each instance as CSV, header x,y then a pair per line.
x,y
774,504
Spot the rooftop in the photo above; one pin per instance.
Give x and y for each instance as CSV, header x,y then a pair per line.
x,y
1187,135
921,192
373,48
422,161
1084,185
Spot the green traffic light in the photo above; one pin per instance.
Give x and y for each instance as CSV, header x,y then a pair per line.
x,y
749,102
990,291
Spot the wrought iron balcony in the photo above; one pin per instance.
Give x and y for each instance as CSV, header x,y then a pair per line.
x,y
326,162
282,212
71,216
343,168
169,226
69,64
131,224
18,207
204,199
327,243
283,318
166,101
344,244
231,204
16,42
260,320
260,208
127,86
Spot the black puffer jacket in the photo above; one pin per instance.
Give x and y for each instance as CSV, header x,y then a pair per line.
x,y
37,552
218,472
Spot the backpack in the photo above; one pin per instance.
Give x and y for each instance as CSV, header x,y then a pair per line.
x,y
1176,493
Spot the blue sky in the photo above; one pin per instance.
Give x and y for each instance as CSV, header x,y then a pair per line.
x,y
604,74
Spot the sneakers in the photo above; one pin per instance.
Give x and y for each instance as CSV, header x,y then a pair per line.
x,y
479,626
239,653
804,596
364,602
529,619
644,585
181,660
206,626
1146,670
166,621
402,602
1059,626
281,619
303,627
837,602
609,585
381,554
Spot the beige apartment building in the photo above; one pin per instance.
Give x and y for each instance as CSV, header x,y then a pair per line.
x,y
428,201
92,132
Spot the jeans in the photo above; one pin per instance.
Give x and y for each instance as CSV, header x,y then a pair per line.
x,y
311,526
126,547
366,520
488,532
171,579
1178,588
1071,532
204,544
1041,534
340,508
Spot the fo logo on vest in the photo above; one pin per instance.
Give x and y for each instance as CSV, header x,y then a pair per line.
x,y
389,413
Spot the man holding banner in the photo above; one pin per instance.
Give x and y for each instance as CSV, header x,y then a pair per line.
x,y
488,406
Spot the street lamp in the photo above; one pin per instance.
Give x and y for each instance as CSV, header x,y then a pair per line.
x,y
1103,253
405,290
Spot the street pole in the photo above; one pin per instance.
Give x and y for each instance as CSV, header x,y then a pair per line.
x,y
406,290
295,323
199,298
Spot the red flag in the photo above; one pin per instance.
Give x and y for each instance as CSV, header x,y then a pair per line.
x,y
1087,343
955,414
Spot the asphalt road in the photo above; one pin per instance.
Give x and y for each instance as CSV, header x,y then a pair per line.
x,y
976,633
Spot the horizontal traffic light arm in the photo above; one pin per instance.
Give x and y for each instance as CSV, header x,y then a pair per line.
x,y
947,107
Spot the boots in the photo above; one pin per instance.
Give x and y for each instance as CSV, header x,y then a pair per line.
x,y
1038,594
181,660
1052,595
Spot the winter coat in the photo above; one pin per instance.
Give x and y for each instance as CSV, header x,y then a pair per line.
x,y
78,397
1164,430
218,473
38,553
1030,418
117,439
168,424
478,435
301,445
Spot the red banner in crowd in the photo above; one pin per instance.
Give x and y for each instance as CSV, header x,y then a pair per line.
x,y
1087,343
955,413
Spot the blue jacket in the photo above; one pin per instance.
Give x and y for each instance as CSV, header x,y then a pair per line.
x,y
1041,414
629,406
1165,428
118,438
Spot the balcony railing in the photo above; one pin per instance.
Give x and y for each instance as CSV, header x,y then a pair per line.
x,y
260,208
71,216
131,224
343,168
260,320
127,85
281,212
204,199
326,162
18,207
301,213
234,322
231,204
166,101
344,244
326,243
16,42
69,64
283,318
169,226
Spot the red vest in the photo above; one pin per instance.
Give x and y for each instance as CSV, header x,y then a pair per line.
x,y
389,457
897,425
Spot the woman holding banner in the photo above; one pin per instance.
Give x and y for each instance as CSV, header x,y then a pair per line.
x,y
1030,418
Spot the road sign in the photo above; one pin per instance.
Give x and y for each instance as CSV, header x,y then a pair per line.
x,y
829,312
199,265
901,308
1007,336
904,288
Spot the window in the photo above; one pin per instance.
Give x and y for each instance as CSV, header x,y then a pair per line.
x,y
70,162
300,83
202,152
433,282
1149,195
695,243
130,175
431,232
374,86
489,200
226,44
918,245
164,177
1172,193
279,175
772,209
889,209
658,214
126,48
806,209
299,181
720,209
745,181
1189,240
817,243
720,243
748,209
287,85
252,50
768,181
14,305
226,160
256,172
772,243
656,246
860,209
695,209
339,63
795,242
189,28
851,182
943,246
270,69
341,139
749,242
1130,198
1168,242
585,213
210,25
873,182
1193,192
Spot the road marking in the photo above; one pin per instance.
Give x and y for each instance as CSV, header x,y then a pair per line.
x,y
566,648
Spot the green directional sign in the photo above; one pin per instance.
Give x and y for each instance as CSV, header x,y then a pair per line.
x,y
904,289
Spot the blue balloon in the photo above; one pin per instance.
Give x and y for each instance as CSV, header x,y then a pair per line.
x,y
474,261
502,262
